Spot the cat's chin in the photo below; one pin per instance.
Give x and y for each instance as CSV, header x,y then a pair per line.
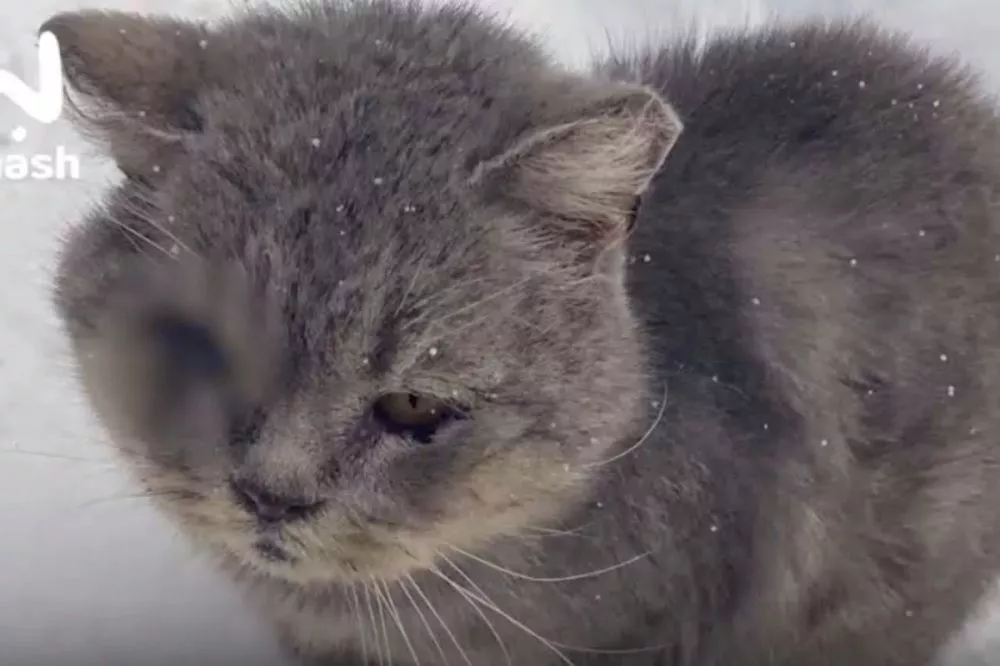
x,y
268,557
303,571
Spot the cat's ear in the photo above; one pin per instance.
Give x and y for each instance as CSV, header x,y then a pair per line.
x,y
136,79
584,172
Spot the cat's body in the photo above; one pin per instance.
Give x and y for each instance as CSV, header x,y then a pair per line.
x,y
778,449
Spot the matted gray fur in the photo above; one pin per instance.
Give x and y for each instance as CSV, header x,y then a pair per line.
x,y
452,356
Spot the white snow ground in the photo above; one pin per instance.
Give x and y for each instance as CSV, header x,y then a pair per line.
x,y
89,575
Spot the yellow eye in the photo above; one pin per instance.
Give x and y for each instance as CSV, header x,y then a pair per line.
x,y
411,414
409,410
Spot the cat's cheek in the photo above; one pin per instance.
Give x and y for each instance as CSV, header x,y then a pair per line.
x,y
501,495
197,418
120,402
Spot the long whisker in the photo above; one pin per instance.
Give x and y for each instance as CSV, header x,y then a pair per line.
x,y
58,456
394,611
563,646
135,234
642,440
144,216
356,605
381,617
496,609
548,531
138,495
560,579
428,303
557,644
439,320
371,616
444,625
427,625
409,288
489,624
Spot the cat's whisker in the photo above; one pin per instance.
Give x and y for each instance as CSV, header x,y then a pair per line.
x,y
455,331
642,440
144,216
62,457
489,298
559,579
409,288
489,624
444,625
355,604
423,618
382,622
427,304
548,531
137,235
139,495
394,612
131,235
371,616
144,197
458,331
507,616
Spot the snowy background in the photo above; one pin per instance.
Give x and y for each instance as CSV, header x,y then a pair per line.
x,y
89,575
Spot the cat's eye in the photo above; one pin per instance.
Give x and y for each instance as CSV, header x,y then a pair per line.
x,y
414,415
187,349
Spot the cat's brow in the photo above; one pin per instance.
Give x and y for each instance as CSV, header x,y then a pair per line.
x,y
386,344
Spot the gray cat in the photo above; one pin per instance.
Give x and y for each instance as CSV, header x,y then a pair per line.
x,y
454,357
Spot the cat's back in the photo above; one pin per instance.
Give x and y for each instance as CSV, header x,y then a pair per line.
x,y
834,169
851,93
817,266
825,237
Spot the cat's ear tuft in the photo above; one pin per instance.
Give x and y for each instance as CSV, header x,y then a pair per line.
x,y
585,172
136,77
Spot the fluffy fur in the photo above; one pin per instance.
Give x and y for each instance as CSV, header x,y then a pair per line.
x,y
750,420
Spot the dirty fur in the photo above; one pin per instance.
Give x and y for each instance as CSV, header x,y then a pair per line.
x,y
716,329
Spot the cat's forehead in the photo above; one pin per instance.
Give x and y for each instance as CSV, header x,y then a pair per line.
x,y
335,211
347,257
371,141
371,181
371,94
396,133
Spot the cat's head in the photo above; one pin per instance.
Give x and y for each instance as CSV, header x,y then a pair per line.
x,y
360,298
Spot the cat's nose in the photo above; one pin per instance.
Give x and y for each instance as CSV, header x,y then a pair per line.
x,y
270,507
